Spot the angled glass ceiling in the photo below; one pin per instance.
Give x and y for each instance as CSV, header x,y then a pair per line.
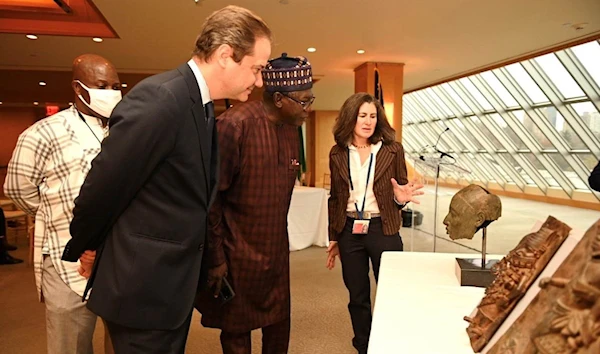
x,y
533,123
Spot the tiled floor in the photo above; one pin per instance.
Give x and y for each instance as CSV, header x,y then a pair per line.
x,y
518,218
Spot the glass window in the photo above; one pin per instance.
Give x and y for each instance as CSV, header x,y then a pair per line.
x,y
525,81
589,114
484,169
449,142
415,107
457,99
433,96
517,168
532,129
519,144
559,76
487,133
483,102
499,89
541,169
425,105
568,171
564,128
589,160
589,56
492,161
461,127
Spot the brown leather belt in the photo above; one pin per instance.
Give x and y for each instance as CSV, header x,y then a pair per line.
x,y
366,215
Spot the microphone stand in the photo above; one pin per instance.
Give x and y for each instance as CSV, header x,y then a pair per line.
x,y
437,177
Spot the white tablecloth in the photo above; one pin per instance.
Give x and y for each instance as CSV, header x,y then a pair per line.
x,y
420,305
307,218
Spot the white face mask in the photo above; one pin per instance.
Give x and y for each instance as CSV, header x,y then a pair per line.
x,y
101,101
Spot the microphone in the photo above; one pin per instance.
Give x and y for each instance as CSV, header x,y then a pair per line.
x,y
439,137
438,140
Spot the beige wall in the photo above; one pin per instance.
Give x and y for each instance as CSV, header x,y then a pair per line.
x,y
324,121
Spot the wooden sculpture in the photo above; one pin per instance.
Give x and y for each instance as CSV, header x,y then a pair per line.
x,y
564,317
514,274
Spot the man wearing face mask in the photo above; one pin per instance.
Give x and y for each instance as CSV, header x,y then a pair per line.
x,y
48,167
249,237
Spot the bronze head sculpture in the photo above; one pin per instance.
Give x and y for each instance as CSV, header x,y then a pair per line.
x,y
471,209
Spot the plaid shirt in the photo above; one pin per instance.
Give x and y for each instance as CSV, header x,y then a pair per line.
x,y
46,171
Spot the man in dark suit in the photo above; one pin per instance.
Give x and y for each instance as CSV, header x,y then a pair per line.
x,y
144,204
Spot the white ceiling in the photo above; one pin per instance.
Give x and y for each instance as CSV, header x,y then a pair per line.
x,y
436,39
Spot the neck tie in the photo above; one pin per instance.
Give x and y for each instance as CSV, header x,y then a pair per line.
x,y
209,110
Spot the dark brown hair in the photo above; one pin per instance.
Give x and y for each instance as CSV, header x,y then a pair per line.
x,y
345,122
233,25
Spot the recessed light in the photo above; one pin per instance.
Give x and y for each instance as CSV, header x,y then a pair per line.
x,y
312,50
97,39
123,85
70,103
42,83
361,51
36,103
31,36
0,102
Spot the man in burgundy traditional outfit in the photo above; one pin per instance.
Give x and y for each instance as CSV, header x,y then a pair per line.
x,y
259,150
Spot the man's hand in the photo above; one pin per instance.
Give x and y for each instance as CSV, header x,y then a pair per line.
x,y
86,262
215,278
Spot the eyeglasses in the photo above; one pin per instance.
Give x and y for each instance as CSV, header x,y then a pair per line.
x,y
305,104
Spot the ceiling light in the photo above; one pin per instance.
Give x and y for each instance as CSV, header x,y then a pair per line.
x,y
70,103
361,51
36,103
123,85
312,50
42,83
0,102
97,39
31,36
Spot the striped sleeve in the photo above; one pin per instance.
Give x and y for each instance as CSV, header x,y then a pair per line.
x,y
26,170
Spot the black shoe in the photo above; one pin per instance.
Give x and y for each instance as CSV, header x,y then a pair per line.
x,y
10,247
8,259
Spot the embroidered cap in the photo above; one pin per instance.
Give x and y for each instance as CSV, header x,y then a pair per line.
x,y
287,74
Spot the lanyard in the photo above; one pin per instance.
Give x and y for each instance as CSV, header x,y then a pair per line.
x,y
361,211
90,128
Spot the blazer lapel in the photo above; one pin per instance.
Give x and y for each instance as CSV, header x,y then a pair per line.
x,y
199,120
340,158
385,158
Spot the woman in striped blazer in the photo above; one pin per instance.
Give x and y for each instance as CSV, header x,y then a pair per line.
x,y
369,187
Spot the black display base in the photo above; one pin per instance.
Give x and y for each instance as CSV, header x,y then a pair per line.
x,y
470,273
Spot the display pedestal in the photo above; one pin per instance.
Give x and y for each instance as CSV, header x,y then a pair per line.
x,y
476,271
470,272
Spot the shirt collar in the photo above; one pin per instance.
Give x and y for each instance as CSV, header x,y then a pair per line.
x,y
201,82
89,119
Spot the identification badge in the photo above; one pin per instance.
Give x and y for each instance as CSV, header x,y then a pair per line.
x,y
360,227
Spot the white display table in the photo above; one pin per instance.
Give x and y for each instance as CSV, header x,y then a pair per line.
x,y
420,305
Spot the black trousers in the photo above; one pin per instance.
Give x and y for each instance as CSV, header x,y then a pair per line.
x,y
137,341
355,253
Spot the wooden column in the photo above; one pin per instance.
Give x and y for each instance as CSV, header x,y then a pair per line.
x,y
391,78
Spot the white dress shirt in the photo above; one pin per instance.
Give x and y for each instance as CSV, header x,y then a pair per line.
x,y
201,82
358,173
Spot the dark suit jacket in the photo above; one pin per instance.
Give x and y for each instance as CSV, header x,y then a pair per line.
x,y
388,164
144,204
